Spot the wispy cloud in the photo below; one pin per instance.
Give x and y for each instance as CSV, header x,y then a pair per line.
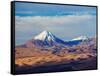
x,y
65,27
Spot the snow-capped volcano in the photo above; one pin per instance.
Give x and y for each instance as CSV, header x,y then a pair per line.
x,y
77,40
45,35
80,38
46,38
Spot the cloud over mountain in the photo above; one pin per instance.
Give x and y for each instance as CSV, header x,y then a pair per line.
x,y
75,25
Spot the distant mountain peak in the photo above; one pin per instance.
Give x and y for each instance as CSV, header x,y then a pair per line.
x,y
80,38
45,35
46,38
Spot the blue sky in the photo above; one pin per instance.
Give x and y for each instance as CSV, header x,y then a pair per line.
x,y
30,9
64,21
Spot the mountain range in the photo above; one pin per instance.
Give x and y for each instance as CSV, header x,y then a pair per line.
x,y
47,39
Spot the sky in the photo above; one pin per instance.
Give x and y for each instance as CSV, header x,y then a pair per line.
x,y
64,21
